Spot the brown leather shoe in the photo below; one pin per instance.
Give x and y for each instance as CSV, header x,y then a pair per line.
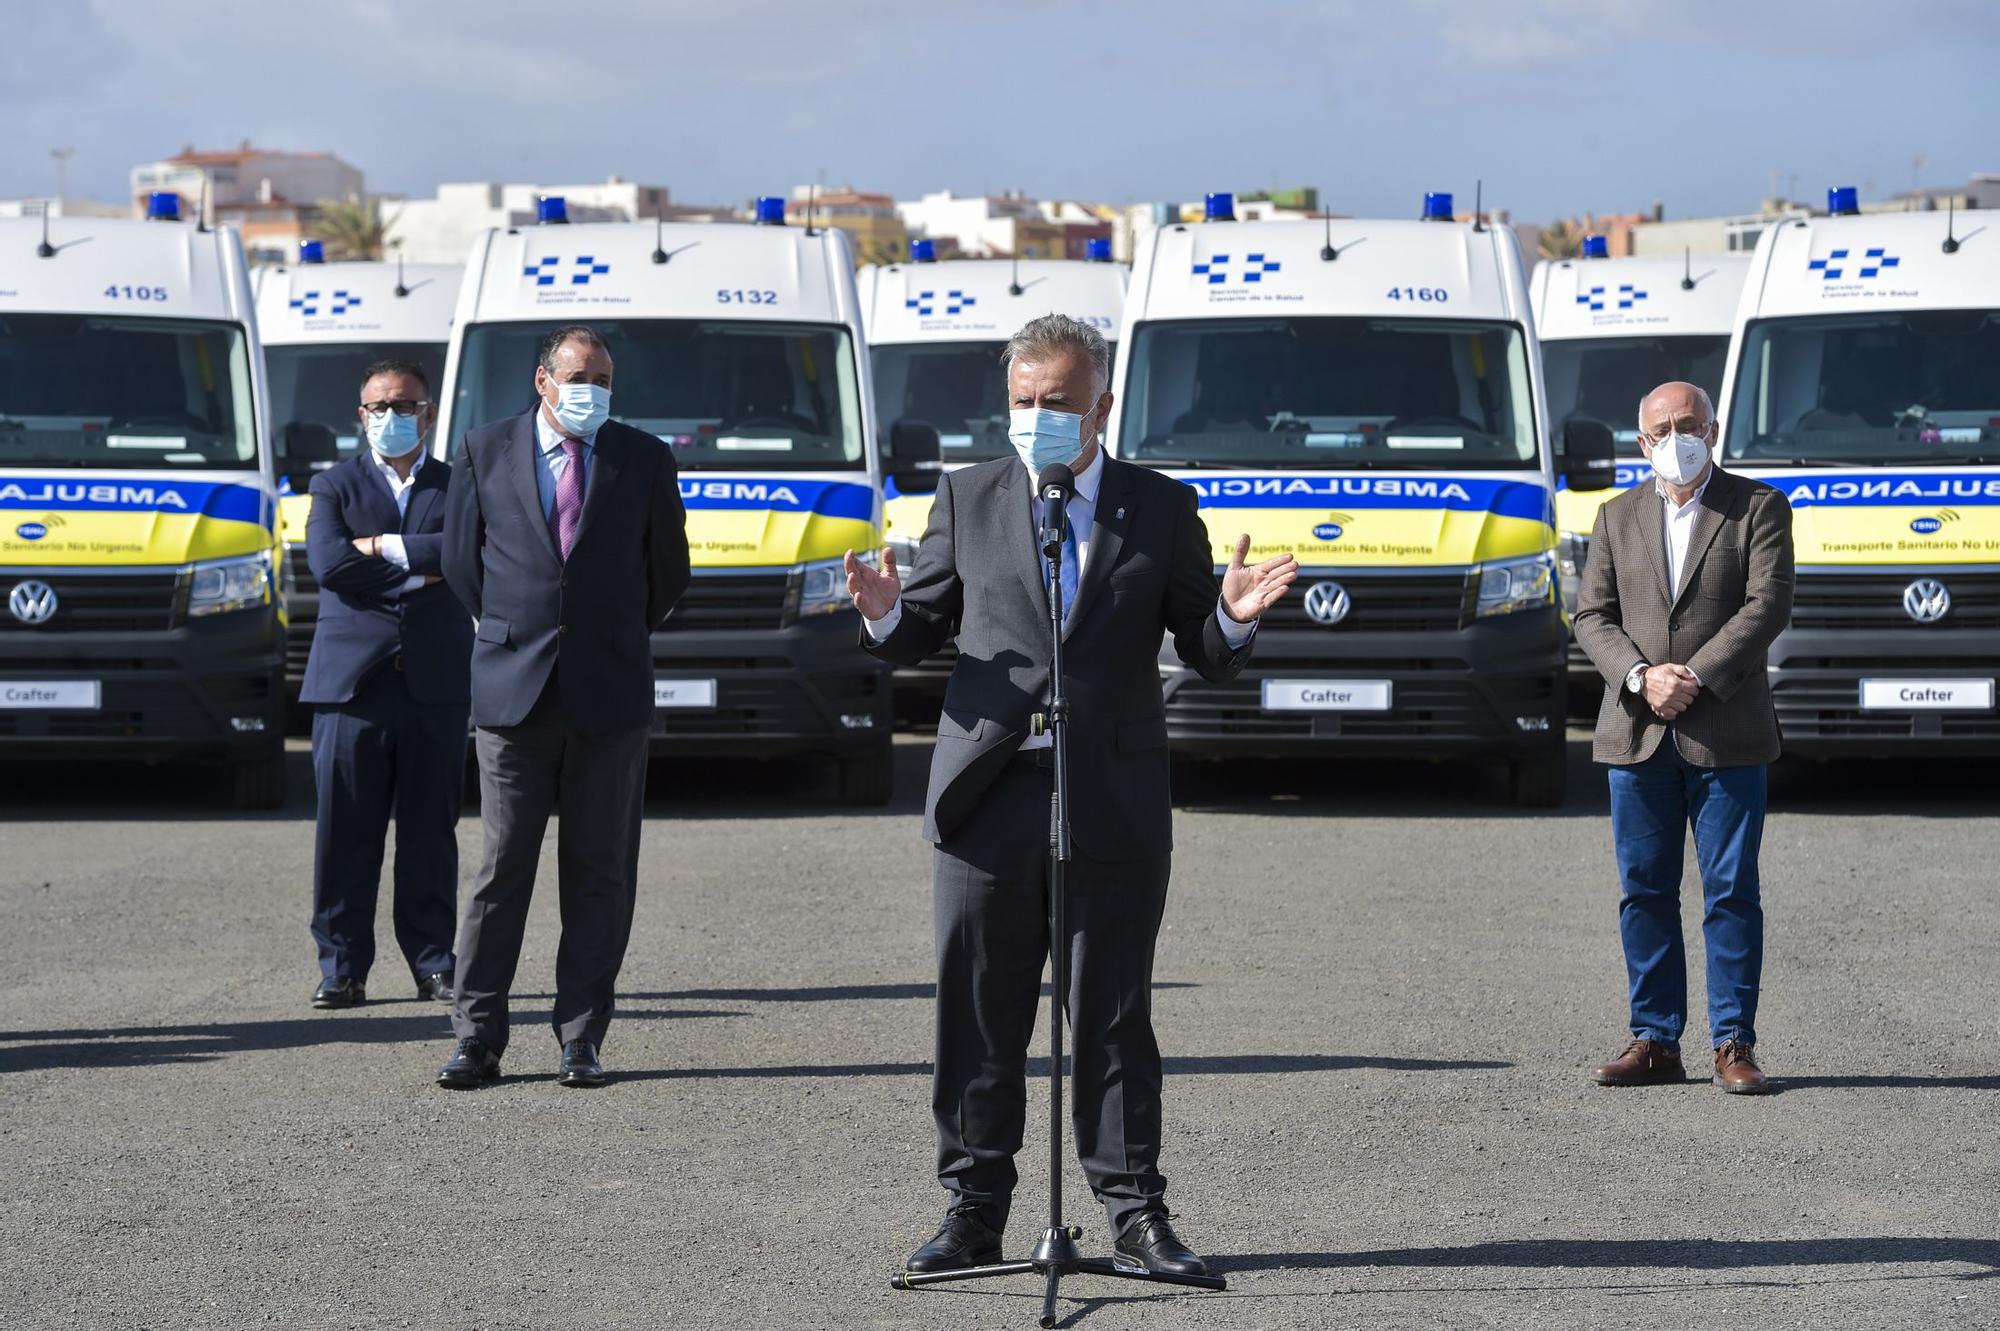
x,y
1736,1069
1644,1063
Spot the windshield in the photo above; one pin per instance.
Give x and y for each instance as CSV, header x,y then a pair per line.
x,y
1603,378
80,390
1914,387
1328,393
959,387
314,389
743,396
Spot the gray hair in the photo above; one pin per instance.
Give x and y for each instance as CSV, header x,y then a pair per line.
x,y
556,339
1707,404
1054,334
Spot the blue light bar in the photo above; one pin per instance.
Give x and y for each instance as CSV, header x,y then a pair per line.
x,y
1219,207
923,251
312,251
551,209
1437,207
163,206
1843,201
1596,247
770,210
1097,249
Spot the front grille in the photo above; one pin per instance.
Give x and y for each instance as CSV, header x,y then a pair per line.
x,y
299,579
1875,600
1437,707
1830,709
1417,604
111,602
748,601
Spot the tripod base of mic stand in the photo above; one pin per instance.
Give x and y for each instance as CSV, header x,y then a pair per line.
x,y
1054,1257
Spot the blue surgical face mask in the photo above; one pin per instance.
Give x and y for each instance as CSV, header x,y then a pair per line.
x,y
1043,437
581,408
391,435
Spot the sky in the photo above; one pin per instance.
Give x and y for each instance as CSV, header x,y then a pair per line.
x,y
1559,107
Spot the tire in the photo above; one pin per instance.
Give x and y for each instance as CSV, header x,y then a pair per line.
x,y
259,782
868,779
1540,781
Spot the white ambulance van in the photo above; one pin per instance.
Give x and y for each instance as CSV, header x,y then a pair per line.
x,y
139,552
741,347
323,324
935,333
1613,330
1367,395
1864,382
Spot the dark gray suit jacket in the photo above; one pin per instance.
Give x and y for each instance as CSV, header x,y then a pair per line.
x,y
979,576
1735,598
590,620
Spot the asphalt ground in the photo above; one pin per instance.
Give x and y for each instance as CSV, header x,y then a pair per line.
x,y
1379,988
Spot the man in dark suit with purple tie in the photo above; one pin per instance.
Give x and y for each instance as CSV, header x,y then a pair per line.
x,y
567,541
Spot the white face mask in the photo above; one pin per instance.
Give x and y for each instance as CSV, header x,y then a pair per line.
x,y
391,435
1678,458
581,408
1042,437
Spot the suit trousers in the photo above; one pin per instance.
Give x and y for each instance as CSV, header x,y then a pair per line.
x,y
596,785
992,921
1652,805
379,755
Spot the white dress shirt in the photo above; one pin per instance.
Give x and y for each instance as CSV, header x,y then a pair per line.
x,y
390,544
1081,511
1680,527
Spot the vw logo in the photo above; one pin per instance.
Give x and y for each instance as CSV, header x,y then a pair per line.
x,y
1328,603
1926,600
32,602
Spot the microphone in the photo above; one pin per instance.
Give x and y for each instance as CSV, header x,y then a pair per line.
x,y
1055,485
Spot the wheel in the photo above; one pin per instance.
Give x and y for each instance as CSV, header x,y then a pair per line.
x,y
259,782
1541,780
868,778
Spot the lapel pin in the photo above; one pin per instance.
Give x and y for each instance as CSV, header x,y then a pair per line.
x,y
1121,515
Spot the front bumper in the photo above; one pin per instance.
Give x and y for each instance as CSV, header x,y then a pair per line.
x,y
1490,688
1816,676
807,688
210,688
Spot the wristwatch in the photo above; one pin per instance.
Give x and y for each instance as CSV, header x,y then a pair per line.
x,y
1635,678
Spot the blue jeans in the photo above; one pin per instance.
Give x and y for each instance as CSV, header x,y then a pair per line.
x,y
1652,804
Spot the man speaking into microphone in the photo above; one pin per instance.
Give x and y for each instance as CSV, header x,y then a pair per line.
x,y
1135,562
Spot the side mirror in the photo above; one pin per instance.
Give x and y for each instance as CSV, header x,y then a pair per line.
x,y
916,454
1590,458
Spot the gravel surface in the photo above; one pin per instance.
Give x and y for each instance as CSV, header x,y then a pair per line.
x,y
1379,989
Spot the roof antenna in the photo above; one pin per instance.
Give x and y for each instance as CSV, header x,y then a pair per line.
x,y
1014,287
659,249
45,250
1687,273
401,289
201,211
1327,252
812,196
1950,225
1478,193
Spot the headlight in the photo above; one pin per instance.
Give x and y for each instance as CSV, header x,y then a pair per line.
x,y
822,585
906,554
230,584
1507,585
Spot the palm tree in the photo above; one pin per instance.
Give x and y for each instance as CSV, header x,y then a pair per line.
x,y
353,228
1560,240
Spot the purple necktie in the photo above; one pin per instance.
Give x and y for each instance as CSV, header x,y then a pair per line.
x,y
569,500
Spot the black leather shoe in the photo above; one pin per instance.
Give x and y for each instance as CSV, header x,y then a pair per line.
x,y
1150,1244
473,1065
963,1240
436,987
580,1067
340,991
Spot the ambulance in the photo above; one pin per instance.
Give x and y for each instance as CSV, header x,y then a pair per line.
x,y
935,333
741,347
1612,331
1367,395
323,324
1864,382
139,551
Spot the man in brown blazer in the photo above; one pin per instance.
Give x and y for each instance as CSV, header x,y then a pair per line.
x,y
1687,582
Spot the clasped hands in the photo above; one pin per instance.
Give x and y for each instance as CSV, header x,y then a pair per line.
x,y
372,545
1670,690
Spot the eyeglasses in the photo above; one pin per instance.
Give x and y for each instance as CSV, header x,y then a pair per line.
x,y
1687,425
402,406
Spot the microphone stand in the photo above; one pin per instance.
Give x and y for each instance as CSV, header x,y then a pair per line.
x,y
1056,1255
